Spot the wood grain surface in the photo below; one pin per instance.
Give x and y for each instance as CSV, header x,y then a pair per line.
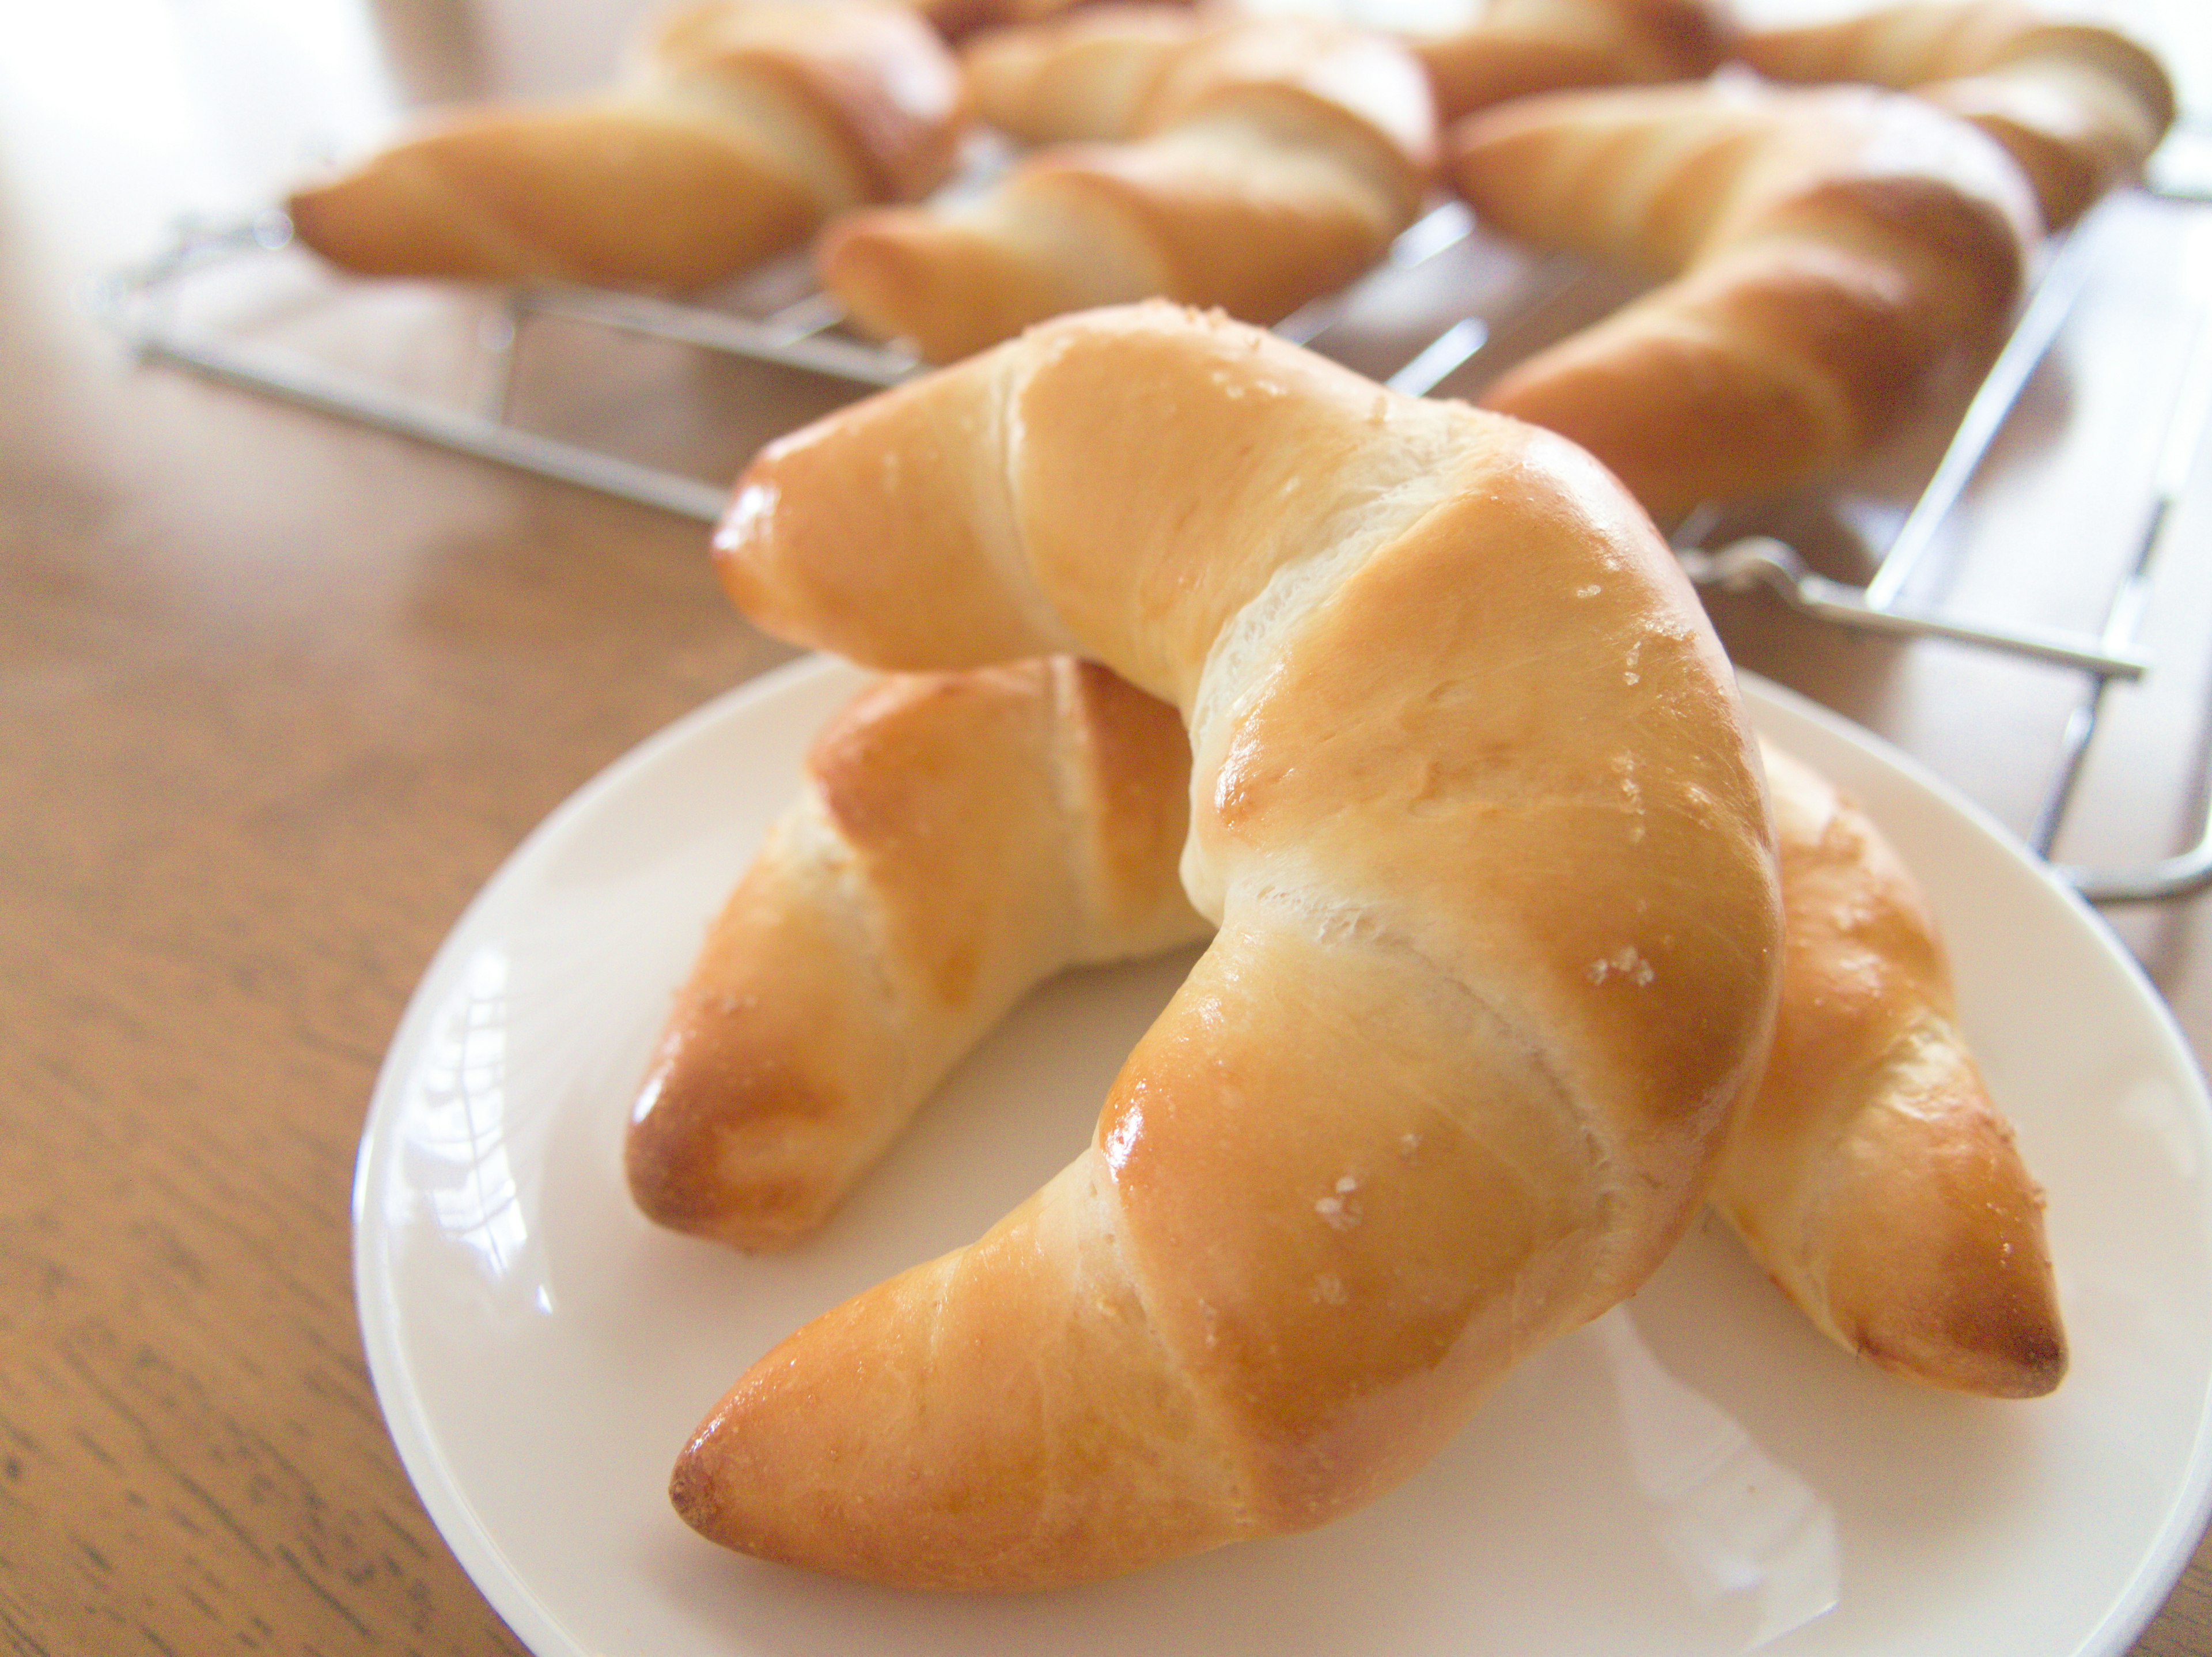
x,y
277,695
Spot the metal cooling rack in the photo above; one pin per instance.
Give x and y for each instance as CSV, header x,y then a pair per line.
x,y
806,335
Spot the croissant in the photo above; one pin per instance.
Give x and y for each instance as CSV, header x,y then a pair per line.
x,y
1092,74
1825,251
2080,107
747,123
1476,816
960,20
1517,47
1085,74
1271,163
962,837
1870,1174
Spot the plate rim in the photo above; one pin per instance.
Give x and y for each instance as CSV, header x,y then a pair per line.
x,y
505,1586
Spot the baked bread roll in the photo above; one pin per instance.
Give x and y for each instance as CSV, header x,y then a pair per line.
x,y
962,837
1091,75
1270,162
745,125
2080,108
1084,75
1871,1175
960,19
1517,47
1477,817
1823,250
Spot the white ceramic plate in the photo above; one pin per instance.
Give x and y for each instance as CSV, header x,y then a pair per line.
x,y
1696,1472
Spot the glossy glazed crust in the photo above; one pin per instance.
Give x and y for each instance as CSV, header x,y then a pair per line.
x,y
1520,47
739,132
1872,1176
961,838
1827,251
2080,108
1476,814
1267,163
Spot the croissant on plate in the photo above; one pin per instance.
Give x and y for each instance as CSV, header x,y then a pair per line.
x,y
1821,253
1870,1173
745,124
2080,107
1398,1128
1267,163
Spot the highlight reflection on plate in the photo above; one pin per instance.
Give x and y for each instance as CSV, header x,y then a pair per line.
x,y
1696,1472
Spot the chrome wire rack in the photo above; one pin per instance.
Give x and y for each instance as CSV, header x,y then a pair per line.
x,y
807,335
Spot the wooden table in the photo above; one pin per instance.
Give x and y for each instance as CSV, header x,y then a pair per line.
x,y
277,695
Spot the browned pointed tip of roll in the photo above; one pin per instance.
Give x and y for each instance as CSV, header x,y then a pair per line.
x,y
766,1088
971,1424
1871,1174
1939,1271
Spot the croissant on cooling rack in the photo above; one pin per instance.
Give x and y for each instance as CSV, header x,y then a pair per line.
x,y
1824,251
960,20
2081,107
1086,75
1516,47
1266,163
957,868
1496,954
746,123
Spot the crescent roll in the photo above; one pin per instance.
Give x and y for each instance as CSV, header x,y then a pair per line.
x,y
2080,107
1821,254
1477,818
1267,163
1084,75
745,125
1871,1174
1518,47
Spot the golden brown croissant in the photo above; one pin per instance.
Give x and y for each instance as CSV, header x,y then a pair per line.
x,y
1271,161
1871,1175
1517,47
962,837
959,19
1084,75
748,122
2081,107
1825,251
1478,820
